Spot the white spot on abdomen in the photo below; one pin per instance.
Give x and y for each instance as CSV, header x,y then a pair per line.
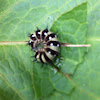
x,y
49,52
58,45
50,38
51,44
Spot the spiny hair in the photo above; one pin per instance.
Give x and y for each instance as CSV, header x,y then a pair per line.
x,y
45,45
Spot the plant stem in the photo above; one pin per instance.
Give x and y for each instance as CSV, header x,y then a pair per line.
x,y
74,45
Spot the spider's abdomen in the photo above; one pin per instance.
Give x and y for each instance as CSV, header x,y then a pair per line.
x,y
45,45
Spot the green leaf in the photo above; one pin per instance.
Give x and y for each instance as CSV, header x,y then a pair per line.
x,y
22,79
87,75
72,28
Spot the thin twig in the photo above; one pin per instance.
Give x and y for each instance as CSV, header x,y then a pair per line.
x,y
74,45
13,42
62,44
